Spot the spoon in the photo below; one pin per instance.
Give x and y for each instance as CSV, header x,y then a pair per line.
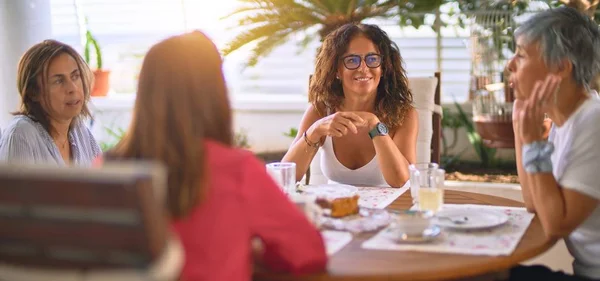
x,y
456,220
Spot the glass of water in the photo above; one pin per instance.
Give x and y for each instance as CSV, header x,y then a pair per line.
x,y
284,174
427,186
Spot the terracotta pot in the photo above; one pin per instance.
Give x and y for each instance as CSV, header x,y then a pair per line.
x,y
496,134
101,83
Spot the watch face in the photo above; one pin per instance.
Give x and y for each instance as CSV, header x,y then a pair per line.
x,y
382,128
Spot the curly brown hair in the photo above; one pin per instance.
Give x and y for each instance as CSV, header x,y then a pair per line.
x,y
393,100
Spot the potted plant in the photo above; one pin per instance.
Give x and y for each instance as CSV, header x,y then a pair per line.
x,y
101,75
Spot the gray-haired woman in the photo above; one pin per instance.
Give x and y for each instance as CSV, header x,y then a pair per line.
x,y
557,57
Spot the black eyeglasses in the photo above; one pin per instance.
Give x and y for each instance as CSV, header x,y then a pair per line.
x,y
352,62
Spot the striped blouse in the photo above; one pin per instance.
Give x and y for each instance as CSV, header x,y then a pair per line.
x,y
25,140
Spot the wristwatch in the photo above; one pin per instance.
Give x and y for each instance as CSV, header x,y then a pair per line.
x,y
379,130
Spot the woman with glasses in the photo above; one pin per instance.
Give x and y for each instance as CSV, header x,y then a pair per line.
x,y
361,111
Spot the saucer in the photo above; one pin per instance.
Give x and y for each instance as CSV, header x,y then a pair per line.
x,y
428,235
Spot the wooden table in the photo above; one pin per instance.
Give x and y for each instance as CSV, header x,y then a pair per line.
x,y
356,263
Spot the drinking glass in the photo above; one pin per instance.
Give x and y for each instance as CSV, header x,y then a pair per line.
x,y
427,186
284,174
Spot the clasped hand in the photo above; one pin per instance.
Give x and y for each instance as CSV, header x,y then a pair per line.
x,y
344,122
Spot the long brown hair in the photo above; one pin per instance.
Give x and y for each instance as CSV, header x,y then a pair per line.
x,y
32,79
181,100
394,98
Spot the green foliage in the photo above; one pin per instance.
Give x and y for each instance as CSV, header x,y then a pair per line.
x,y
91,42
115,136
452,121
292,133
502,32
240,139
269,23
486,155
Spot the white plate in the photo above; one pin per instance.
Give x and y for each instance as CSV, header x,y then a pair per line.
x,y
330,191
473,219
366,220
428,235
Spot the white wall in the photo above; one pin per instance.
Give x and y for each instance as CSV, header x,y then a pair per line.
x,y
264,122
22,24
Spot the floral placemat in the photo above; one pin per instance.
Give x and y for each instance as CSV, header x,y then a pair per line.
x,y
501,240
335,240
379,197
366,220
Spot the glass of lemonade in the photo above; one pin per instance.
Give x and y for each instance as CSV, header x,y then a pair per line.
x,y
427,186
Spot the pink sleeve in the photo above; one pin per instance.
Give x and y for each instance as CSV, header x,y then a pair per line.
x,y
98,161
292,243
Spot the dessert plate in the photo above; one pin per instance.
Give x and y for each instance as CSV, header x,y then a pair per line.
x,y
469,219
365,221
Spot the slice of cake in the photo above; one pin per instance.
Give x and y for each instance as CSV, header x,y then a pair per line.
x,y
336,200
340,206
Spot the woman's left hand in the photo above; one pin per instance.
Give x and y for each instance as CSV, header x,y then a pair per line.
x,y
531,118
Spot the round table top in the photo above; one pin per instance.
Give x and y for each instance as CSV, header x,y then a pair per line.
x,y
355,263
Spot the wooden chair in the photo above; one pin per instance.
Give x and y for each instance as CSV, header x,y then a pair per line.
x,y
86,224
436,137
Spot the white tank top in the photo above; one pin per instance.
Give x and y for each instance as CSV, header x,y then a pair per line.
x,y
367,175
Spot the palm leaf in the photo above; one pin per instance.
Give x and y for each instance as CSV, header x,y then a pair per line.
x,y
319,6
267,45
351,7
285,17
243,10
250,36
263,19
308,38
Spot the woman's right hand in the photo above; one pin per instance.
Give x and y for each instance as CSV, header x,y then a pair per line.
x,y
518,106
336,125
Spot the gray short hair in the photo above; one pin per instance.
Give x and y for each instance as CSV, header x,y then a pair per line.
x,y
565,33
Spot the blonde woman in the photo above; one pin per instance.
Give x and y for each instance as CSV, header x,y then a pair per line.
x,y
219,197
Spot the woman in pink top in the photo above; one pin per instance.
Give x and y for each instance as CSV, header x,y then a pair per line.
x,y
219,197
